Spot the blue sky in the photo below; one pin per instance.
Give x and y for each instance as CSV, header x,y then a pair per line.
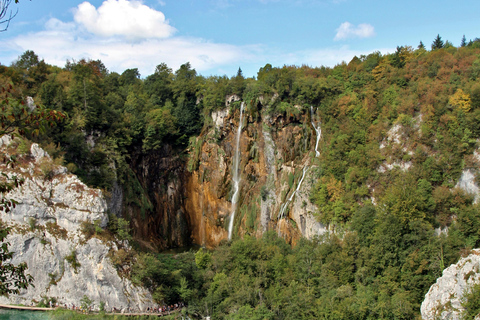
x,y
219,36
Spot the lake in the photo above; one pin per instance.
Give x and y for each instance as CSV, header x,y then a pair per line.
x,y
6,314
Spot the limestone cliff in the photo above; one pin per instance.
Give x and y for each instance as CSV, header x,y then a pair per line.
x,y
443,300
47,235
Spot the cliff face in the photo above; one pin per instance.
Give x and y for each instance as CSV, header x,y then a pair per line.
x,y
53,208
443,300
191,199
274,153
163,177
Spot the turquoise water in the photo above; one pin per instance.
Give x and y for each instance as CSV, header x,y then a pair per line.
x,y
22,315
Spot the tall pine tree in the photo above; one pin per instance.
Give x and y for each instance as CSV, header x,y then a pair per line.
x,y
437,43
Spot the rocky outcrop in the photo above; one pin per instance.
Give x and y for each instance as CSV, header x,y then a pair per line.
x,y
468,184
443,300
53,209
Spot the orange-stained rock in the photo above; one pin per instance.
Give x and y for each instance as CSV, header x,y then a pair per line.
x,y
195,207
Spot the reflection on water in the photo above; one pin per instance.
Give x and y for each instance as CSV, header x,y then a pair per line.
x,y
7,314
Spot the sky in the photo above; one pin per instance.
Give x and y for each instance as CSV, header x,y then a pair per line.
x,y
219,36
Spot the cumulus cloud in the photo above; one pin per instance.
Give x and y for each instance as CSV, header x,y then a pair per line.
x,y
348,30
130,19
61,41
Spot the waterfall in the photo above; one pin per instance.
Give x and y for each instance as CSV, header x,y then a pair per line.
x,y
236,174
318,130
285,205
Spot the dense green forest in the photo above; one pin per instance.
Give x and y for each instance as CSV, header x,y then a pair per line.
x,y
396,229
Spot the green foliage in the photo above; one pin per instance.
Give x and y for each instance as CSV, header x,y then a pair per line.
x,y
471,302
160,124
170,278
397,131
72,259
120,227
291,178
86,303
438,43
13,278
264,192
202,259
195,146
46,301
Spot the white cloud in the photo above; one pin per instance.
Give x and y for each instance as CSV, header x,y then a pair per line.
x,y
348,30
61,41
130,19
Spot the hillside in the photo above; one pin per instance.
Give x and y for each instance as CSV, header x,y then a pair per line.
x,y
356,184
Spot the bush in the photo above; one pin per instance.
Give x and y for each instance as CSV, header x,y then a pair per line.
x,y
54,229
86,303
471,302
72,259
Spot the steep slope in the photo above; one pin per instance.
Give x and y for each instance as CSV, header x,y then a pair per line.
x,y
274,155
48,233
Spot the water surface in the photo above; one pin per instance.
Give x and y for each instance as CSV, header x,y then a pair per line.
x,y
7,314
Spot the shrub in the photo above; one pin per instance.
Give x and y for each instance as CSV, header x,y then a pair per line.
x,y
54,229
471,302
72,259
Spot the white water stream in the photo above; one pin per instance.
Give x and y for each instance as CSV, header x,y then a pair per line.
x,y
285,205
236,174
318,130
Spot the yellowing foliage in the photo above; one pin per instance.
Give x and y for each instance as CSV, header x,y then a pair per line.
x,y
379,72
460,100
335,189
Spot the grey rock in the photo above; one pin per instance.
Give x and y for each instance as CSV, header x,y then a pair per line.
x,y
468,184
63,199
443,300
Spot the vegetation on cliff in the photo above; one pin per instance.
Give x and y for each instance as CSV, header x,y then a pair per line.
x,y
398,130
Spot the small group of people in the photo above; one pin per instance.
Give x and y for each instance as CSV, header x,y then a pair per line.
x,y
165,309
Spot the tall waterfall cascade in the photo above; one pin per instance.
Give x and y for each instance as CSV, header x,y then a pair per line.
x,y
285,205
236,173
318,130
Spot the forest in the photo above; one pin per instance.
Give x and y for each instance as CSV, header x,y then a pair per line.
x,y
396,228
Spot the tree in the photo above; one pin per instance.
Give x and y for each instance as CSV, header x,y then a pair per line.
x,y
463,43
437,43
158,85
186,110
401,56
12,277
27,60
421,46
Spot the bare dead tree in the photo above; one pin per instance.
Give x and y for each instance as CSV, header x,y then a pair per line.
x,y
6,15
